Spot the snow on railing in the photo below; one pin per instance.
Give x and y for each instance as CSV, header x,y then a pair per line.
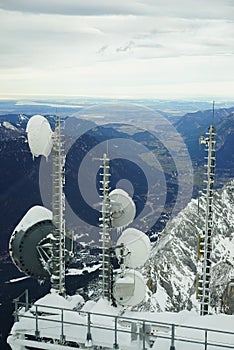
x,y
148,333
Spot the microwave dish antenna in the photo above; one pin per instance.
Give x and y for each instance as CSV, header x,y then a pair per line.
x,y
40,136
130,289
123,209
133,246
31,243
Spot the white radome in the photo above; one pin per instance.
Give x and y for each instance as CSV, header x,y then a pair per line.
x,y
130,290
137,247
123,208
34,215
40,136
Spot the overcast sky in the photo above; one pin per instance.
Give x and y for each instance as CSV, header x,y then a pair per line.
x,y
117,48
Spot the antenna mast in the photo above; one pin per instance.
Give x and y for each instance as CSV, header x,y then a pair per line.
x,y
106,268
58,206
205,240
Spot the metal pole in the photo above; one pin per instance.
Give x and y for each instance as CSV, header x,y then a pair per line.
x,y
88,343
37,332
62,336
16,310
172,347
26,300
143,335
206,339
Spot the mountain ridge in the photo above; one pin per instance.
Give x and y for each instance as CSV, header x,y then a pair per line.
x,y
174,256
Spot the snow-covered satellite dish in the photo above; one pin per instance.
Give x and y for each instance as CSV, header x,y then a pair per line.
x,y
40,136
30,243
123,208
129,290
136,247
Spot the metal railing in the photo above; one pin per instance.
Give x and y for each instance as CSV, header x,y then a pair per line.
x,y
146,331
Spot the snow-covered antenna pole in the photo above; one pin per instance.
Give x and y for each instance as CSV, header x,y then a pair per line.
x,y
105,275
205,240
58,206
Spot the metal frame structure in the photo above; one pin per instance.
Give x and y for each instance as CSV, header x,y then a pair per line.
x,y
143,331
106,268
205,240
58,208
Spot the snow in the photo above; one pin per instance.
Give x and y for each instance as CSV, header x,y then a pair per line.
x,y
75,301
17,279
52,300
88,306
34,215
161,297
40,136
102,318
123,208
174,256
136,247
9,126
89,269
22,117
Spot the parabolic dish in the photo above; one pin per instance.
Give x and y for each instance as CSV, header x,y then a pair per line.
x,y
136,247
40,136
129,290
123,208
33,233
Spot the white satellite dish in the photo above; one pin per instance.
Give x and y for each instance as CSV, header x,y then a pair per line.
x,y
123,209
33,216
40,136
129,290
136,247
31,242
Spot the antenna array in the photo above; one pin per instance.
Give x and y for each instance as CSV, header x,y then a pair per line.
x,y
58,207
205,240
106,268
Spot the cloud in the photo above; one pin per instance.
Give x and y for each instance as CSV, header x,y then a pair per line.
x,y
168,8
75,7
114,45
102,49
126,47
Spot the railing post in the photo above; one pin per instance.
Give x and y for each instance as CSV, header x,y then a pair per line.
x,y
206,339
88,343
172,347
26,300
16,316
116,346
143,335
62,336
37,332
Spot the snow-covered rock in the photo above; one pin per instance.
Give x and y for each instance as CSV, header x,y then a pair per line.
x,y
8,125
174,256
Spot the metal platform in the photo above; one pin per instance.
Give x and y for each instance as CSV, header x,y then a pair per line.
x,y
40,327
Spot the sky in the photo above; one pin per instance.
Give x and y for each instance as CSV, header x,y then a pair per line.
x,y
162,49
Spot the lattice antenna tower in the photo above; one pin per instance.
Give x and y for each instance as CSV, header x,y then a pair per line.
x,y
58,207
106,266
205,240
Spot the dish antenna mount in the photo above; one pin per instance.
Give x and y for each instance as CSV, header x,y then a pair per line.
x,y
45,235
132,250
205,239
